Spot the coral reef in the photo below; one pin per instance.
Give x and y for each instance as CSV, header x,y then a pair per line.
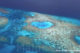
x,y
41,33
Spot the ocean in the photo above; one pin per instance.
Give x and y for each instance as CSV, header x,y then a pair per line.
x,y
67,8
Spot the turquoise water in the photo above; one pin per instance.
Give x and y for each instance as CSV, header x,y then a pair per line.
x,y
42,25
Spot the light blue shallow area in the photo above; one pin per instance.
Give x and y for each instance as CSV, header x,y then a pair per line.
x,y
45,42
31,14
77,39
26,33
42,25
31,52
41,41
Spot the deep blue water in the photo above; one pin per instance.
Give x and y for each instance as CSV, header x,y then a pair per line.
x,y
67,8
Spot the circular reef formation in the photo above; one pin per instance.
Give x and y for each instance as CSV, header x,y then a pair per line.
x,y
32,32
